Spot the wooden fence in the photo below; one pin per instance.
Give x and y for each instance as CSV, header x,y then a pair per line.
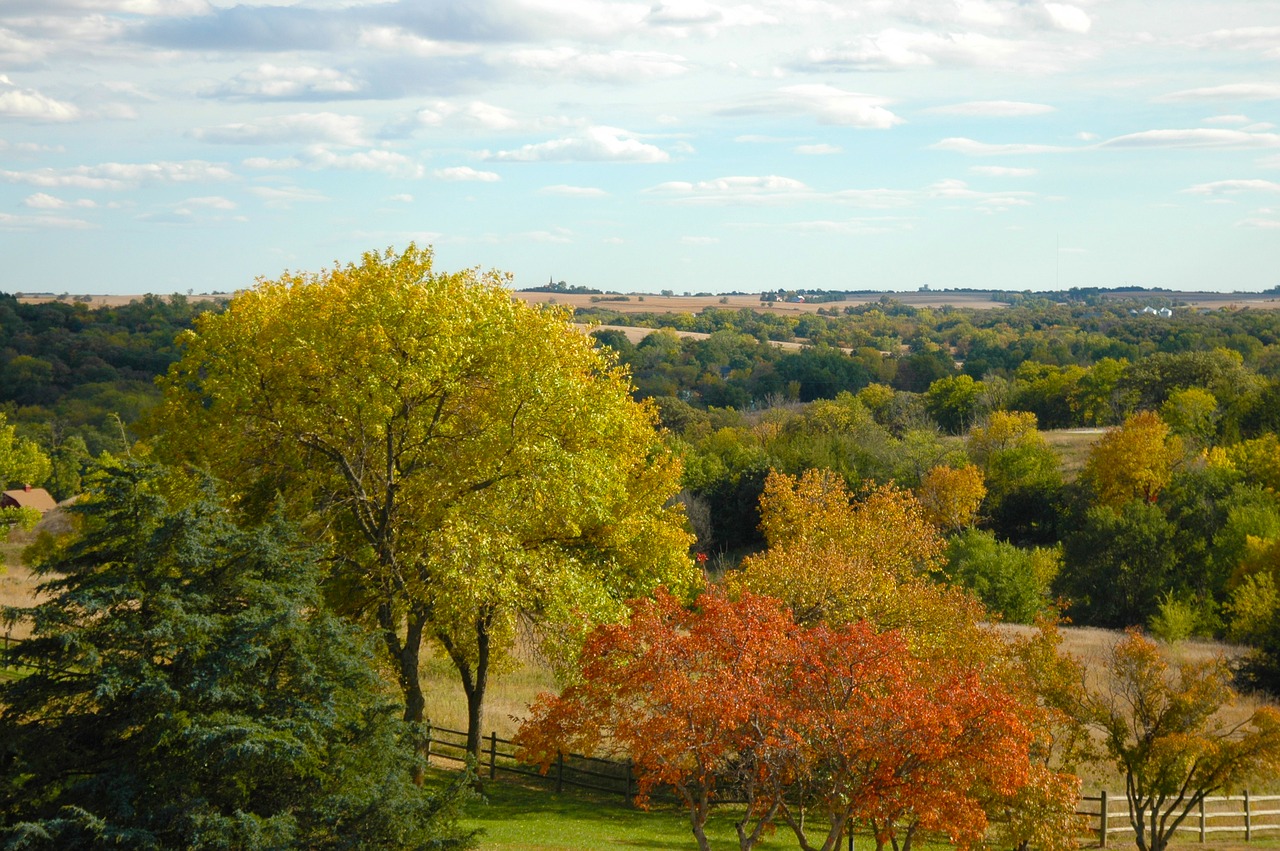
x,y
497,757
1242,815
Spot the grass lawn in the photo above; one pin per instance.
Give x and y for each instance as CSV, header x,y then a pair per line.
x,y
516,817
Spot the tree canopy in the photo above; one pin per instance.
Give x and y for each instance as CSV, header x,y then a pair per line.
x,y
471,458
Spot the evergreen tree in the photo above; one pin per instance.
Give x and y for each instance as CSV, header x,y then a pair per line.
x,y
190,691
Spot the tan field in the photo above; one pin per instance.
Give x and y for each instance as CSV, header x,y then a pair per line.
x,y
654,303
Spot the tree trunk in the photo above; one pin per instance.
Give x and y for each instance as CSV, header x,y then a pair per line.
x,y
475,680
407,657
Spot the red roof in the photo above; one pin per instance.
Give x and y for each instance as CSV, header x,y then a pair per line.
x,y
37,498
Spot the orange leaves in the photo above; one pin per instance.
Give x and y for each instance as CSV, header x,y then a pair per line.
x,y
845,722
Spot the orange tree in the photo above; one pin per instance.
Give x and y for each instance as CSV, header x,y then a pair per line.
x,y
1163,730
816,726
692,696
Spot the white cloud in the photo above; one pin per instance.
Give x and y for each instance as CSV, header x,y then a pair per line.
x,y
1228,120
475,115
897,49
699,240
1220,187
818,150
689,17
12,222
121,175
961,145
566,191
1265,40
16,102
377,160
286,196
594,144
268,82
1260,224
210,202
767,189
462,173
304,127
1201,137
269,163
1231,91
990,202
402,198
1003,171
828,104
616,66
1069,18
42,201
396,40
993,109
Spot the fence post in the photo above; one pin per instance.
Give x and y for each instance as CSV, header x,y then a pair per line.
x,y
1248,822
493,754
1102,821
559,772
627,789
428,755
1202,820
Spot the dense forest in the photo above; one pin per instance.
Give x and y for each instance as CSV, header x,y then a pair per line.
x,y
1190,539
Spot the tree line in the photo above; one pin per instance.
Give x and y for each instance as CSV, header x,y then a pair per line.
x,y
382,457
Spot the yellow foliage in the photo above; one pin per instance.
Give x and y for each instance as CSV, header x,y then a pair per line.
x,y
1133,461
951,497
469,457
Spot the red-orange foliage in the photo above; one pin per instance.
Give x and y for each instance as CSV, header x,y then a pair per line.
x,y
816,725
682,692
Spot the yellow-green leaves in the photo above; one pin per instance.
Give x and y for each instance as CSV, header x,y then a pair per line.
x,y
469,456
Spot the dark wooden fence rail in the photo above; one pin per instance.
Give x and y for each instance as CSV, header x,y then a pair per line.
x,y
1244,815
497,757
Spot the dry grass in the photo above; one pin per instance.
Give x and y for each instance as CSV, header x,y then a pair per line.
x,y
1072,446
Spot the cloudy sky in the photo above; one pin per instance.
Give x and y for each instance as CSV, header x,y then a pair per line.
x,y
693,145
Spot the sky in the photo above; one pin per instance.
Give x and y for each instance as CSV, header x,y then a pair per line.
x,y
693,145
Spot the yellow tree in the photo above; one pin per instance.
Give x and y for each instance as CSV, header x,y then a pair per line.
x,y
834,559
1163,730
951,496
471,459
1134,461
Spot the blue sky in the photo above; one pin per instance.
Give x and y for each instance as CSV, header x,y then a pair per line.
x,y
693,145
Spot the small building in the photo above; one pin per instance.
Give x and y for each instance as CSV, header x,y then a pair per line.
x,y
28,497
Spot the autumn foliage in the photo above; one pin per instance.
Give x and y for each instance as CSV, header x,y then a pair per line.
x,y
815,726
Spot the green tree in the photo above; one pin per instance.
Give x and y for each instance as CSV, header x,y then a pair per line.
x,y
1117,564
21,463
473,459
1013,582
953,402
189,690
1022,474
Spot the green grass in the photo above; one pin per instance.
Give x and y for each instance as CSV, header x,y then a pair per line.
x,y
515,817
